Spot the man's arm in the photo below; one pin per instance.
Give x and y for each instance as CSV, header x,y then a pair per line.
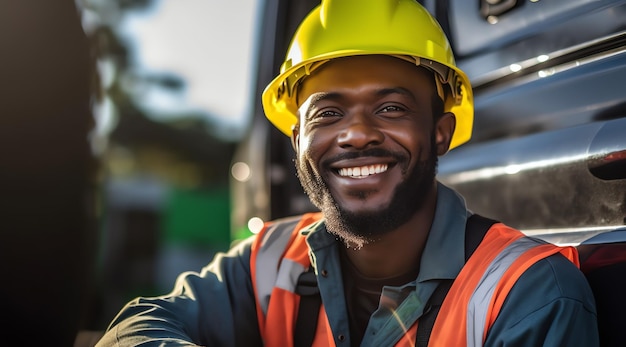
x,y
213,308
550,305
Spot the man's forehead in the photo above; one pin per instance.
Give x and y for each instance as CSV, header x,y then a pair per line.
x,y
353,70
383,62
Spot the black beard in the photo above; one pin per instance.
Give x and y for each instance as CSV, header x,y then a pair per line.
x,y
357,229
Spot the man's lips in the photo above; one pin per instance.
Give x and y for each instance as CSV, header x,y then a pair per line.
x,y
364,164
362,171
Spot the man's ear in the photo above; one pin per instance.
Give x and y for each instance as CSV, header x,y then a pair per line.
x,y
444,129
295,137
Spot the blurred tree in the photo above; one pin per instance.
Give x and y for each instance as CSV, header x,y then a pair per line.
x,y
148,164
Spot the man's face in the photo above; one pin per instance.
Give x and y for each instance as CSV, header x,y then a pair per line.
x,y
366,143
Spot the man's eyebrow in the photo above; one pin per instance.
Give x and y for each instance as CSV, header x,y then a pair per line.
x,y
333,96
320,96
395,90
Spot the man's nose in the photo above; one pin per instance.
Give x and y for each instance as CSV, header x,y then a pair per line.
x,y
360,131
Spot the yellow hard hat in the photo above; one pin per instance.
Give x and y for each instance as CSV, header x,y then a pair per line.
x,y
340,28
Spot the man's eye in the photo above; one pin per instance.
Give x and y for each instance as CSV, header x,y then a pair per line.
x,y
327,114
392,108
323,117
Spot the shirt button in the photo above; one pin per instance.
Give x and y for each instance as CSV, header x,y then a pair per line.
x,y
341,337
324,273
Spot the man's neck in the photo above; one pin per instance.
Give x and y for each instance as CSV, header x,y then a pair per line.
x,y
398,251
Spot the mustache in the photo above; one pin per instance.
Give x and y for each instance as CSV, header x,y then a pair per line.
x,y
372,152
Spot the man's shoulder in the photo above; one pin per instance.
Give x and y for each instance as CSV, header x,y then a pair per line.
x,y
295,222
281,228
551,301
552,278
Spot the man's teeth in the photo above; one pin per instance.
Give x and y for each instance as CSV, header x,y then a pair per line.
x,y
362,171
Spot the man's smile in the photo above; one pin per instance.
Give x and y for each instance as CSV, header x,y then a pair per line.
x,y
363,171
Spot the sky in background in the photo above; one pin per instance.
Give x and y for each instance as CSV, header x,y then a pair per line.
x,y
208,43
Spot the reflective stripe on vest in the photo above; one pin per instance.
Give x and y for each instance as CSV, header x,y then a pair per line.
x,y
468,311
279,255
479,291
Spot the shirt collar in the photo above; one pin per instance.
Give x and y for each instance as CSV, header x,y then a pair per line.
x,y
444,253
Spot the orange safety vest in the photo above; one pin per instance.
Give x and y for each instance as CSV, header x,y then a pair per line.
x,y
468,311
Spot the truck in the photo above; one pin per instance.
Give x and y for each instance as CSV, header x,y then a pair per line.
x,y
548,150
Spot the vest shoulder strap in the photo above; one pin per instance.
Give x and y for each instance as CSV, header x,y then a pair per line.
x,y
475,230
310,302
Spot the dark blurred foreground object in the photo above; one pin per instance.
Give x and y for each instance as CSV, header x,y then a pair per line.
x,y
46,173
603,260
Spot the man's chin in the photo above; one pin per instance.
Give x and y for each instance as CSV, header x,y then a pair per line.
x,y
360,223
363,204
362,211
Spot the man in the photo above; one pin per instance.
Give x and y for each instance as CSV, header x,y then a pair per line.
x,y
370,96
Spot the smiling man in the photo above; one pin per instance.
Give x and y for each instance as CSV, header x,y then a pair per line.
x,y
367,145
371,97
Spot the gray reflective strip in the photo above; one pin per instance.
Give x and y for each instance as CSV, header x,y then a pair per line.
x,y
288,274
479,302
272,247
